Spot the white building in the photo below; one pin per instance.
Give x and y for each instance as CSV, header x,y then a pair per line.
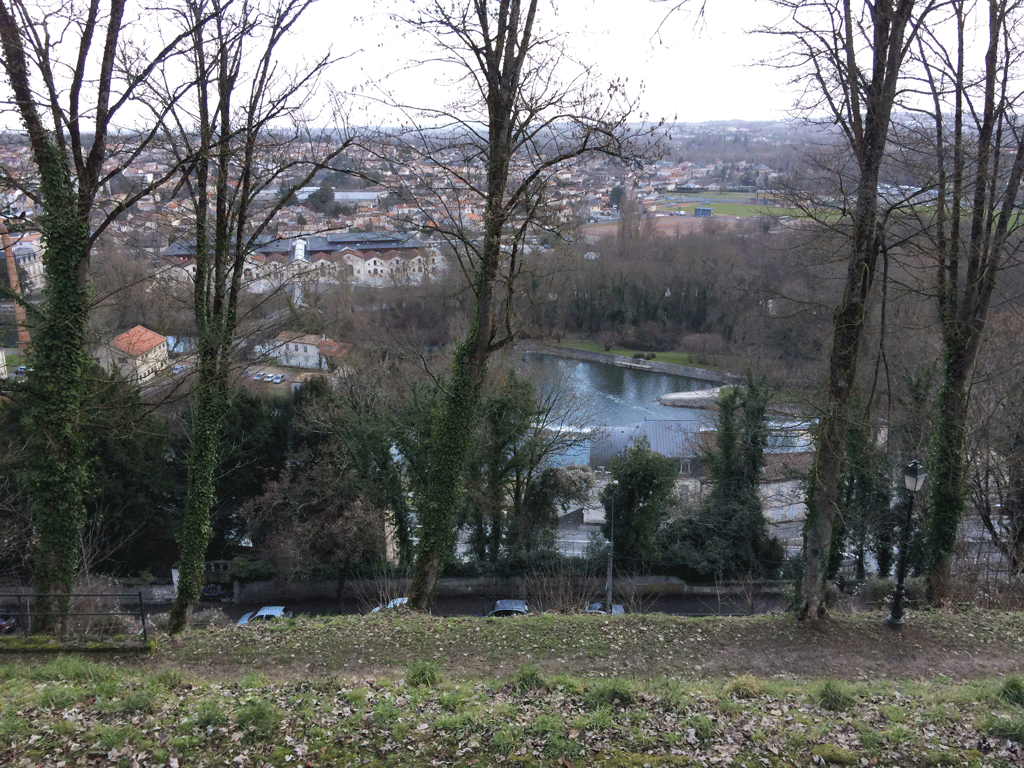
x,y
137,354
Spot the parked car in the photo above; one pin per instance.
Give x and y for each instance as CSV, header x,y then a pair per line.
x,y
266,613
602,609
279,378
508,608
258,376
21,370
398,602
8,624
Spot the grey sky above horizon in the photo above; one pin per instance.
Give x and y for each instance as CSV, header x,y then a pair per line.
x,y
691,70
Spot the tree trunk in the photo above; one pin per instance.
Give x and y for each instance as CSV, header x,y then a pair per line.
x,y
849,321
195,531
947,496
864,114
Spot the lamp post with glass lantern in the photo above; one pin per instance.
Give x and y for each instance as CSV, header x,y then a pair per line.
x,y
913,476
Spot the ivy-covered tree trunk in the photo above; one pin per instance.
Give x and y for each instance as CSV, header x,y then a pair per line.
x,y
947,495
56,470
979,159
233,141
448,447
863,111
55,467
545,124
203,457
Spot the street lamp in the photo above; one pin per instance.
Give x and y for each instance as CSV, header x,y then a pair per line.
x,y
913,477
614,485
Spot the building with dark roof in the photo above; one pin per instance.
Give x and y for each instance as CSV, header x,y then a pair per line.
x,y
678,440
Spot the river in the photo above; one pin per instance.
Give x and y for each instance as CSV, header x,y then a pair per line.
x,y
611,395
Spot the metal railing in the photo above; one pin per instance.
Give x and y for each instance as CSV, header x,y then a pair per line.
x,y
84,610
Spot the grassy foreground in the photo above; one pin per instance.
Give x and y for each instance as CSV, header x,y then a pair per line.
x,y
560,691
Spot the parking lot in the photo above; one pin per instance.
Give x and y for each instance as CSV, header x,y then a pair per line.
x,y
267,375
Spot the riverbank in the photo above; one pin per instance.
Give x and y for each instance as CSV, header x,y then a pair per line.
x,y
654,366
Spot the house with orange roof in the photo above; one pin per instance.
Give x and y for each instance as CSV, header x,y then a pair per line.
x,y
137,354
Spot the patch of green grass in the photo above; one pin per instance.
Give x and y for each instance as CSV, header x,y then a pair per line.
x,y
834,696
57,697
106,689
558,746
140,701
507,740
72,669
11,672
1012,690
567,683
400,730
898,734
547,725
427,672
450,700
353,696
528,678
113,735
210,715
461,723
608,693
253,680
893,713
65,728
385,712
870,737
169,678
258,718
672,358
702,725
1000,727
598,719
186,746
743,687
830,754
12,725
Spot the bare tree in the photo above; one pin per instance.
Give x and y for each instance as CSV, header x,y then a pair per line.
x,y
236,131
971,233
995,442
527,112
73,72
850,56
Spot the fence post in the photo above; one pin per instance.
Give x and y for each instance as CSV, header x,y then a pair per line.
x,y
142,615
23,615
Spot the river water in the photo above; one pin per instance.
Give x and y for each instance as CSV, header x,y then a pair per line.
x,y
611,395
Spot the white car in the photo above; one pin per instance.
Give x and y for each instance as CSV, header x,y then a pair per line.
x,y
266,613
398,602
600,609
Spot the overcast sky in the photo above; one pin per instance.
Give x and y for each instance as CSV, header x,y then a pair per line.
x,y
691,70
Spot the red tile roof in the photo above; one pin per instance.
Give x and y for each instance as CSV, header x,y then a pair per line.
x,y
137,341
329,348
